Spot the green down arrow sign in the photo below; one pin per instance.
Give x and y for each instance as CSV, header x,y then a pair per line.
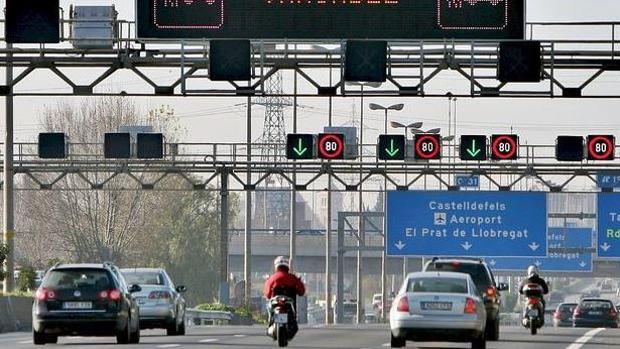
x,y
473,151
392,151
300,150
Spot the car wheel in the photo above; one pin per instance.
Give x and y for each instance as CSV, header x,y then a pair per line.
x,y
173,328
396,342
134,337
39,338
492,330
122,336
181,331
52,339
479,343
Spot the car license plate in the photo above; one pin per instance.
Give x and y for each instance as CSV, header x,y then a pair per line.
x,y
141,300
532,313
281,318
595,313
77,305
444,306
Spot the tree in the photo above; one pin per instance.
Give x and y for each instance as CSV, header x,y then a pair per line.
x,y
4,251
177,230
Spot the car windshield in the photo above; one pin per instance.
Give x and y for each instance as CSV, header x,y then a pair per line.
x,y
565,308
476,271
144,277
81,279
437,285
598,305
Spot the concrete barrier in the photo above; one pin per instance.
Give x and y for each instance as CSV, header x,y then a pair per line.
x,y
15,313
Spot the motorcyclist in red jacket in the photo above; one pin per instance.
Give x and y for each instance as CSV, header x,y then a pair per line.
x,y
282,282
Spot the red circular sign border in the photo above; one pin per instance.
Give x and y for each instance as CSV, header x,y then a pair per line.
x,y
323,151
434,154
508,156
609,144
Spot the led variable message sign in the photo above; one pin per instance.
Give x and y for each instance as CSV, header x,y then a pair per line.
x,y
504,147
601,147
331,19
427,147
391,147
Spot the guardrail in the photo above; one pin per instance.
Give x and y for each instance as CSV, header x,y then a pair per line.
x,y
208,317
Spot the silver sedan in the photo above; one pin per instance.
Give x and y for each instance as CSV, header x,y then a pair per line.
x,y
438,307
161,303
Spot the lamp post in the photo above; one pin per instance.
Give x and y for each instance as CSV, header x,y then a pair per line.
x,y
396,107
360,238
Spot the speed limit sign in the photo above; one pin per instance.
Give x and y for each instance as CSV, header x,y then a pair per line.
x,y
601,147
504,147
331,146
428,147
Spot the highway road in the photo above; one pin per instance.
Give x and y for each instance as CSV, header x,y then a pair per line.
x,y
345,337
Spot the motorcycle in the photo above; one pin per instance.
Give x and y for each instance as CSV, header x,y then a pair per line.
x,y
533,313
282,320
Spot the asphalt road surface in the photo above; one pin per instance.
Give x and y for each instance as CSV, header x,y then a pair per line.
x,y
345,337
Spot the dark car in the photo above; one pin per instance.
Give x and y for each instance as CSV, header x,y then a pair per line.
x,y
85,300
595,312
563,315
482,276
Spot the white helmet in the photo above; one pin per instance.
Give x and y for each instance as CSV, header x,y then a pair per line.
x,y
532,270
281,261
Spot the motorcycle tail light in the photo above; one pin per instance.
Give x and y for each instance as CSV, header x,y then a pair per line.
x,y
491,291
470,306
533,301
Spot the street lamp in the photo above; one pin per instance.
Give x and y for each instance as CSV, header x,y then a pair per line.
x,y
397,107
431,131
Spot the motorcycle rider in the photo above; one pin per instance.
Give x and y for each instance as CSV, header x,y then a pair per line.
x,y
283,283
533,277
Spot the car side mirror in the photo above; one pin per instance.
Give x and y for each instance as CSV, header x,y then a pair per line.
x,y
502,287
181,288
135,288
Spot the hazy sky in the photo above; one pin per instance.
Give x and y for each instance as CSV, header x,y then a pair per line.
x,y
222,119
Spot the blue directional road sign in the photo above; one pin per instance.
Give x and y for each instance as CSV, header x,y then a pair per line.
x,y
472,181
608,225
555,261
608,179
432,223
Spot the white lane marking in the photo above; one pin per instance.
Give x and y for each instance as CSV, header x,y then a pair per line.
x,y
585,338
208,340
386,345
240,335
169,345
25,342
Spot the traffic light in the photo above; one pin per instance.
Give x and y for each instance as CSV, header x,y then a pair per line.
x,y
569,148
150,146
504,147
391,147
473,148
520,61
427,147
601,147
117,146
299,146
52,146
32,22
331,146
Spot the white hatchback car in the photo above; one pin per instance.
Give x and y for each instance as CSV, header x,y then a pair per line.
x,y
438,307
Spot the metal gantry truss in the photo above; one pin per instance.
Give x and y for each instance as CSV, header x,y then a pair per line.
x,y
412,66
199,165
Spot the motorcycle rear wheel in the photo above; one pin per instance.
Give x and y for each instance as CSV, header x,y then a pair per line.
x,y
282,335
